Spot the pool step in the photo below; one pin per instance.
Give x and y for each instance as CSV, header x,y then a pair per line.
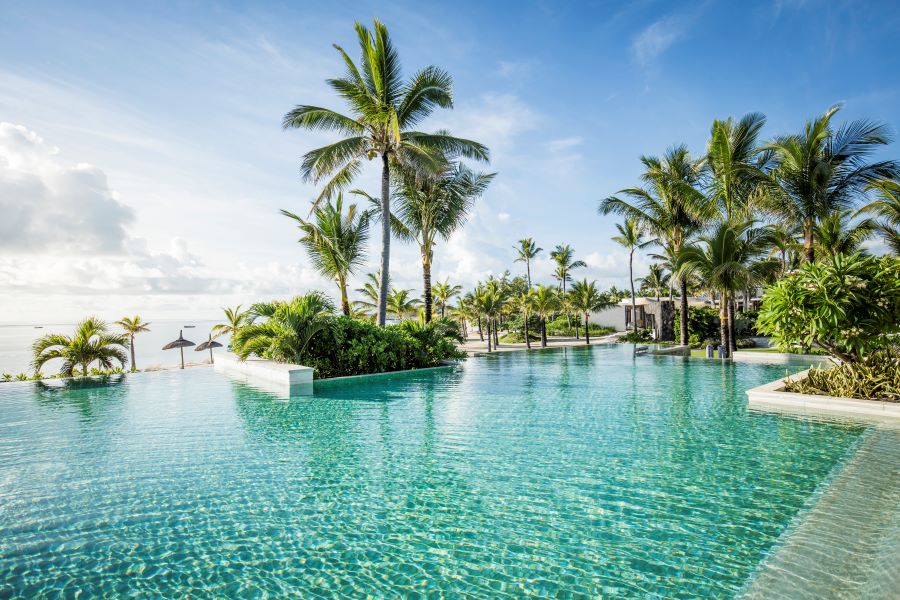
x,y
848,544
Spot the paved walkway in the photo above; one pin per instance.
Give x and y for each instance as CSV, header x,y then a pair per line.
x,y
475,346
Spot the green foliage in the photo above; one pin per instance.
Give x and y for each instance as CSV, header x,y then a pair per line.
x,y
636,336
559,327
875,377
850,307
91,343
287,329
703,326
746,324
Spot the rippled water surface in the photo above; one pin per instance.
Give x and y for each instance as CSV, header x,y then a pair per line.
x,y
566,473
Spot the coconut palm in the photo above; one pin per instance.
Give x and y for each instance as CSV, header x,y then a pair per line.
x,y
838,233
489,302
562,255
400,303
655,281
92,342
785,244
886,208
429,208
386,109
733,162
281,331
368,305
335,241
727,259
525,252
631,237
133,326
544,302
670,207
822,170
524,304
444,293
586,298
234,320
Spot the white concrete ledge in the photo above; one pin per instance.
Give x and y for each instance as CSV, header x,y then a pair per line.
x,y
673,351
773,396
265,370
780,358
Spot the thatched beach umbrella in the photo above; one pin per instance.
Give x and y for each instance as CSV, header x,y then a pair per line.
x,y
181,344
208,345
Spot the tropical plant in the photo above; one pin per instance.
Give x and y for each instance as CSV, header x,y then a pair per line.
x,y
335,241
875,377
631,237
525,304
133,326
655,282
91,342
234,320
544,302
527,250
849,306
444,293
386,109
287,328
489,301
734,164
586,298
786,246
563,256
400,303
886,208
837,234
368,305
820,171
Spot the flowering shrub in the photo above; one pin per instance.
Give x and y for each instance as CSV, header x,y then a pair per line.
x,y
849,306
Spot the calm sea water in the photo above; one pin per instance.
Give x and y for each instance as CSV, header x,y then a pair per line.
x,y
566,473
16,341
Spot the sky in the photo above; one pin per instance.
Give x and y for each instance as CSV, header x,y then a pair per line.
x,y
143,164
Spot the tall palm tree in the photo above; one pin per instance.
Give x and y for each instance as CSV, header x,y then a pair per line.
x,y
525,252
730,258
655,281
444,293
429,208
133,326
562,255
838,233
886,208
631,237
369,303
490,302
402,304
281,331
733,162
335,241
670,207
91,342
586,298
544,302
234,320
386,109
525,304
786,246
822,170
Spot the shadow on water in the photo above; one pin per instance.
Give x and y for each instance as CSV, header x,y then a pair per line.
x,y
91,397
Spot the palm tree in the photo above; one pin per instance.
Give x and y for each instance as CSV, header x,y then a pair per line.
x,y
525,251
838,234
525,302
369,303
286,330
401,304
655,280
133,326
431,208
886,207
444,293
786,246
385,108
631,237
562,255
335,241
489,301
733,162
92,342
729,258
586,298
670,207
234,320
544,302
820,171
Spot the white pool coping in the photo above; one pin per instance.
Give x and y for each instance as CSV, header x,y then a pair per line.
x,y
258,369
773,396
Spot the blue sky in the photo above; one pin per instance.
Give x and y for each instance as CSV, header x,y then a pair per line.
x,y
142,163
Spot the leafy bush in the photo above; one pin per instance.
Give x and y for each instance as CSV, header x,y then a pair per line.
x,y
875,377
746,324
515,337
558,327
703,326
849,306
636,337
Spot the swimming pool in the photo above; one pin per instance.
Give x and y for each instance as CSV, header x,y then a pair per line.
x,y
564,473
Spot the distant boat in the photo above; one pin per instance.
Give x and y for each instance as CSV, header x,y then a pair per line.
x,y
38,326
189,326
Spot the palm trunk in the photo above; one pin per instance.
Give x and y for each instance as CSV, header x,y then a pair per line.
x,y
543,332
133,366
385,237
587,334
731,319
426,285
345,301
496,340
528,271
725,344
527,340
808,243
489,334
480,332
684,311
631,281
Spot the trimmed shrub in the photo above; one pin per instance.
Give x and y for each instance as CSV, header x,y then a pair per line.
x,y
703,326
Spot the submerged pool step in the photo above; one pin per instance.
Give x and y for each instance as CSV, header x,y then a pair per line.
x,y
848,544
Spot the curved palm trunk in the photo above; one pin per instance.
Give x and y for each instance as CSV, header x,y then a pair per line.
x,y
724,329
587,333
528,271
133,366
426,285
527,340
684,311
345,301
480,331
385,238
543,332
631,281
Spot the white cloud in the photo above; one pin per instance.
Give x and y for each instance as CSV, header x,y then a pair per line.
x,y
50,206
563,144
657,38
503,217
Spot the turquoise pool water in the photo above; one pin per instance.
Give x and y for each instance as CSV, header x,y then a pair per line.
x,y
566,473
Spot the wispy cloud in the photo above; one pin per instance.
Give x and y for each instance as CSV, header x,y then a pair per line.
x,y
657,38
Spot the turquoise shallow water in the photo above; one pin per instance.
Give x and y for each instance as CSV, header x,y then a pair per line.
x,y
567,473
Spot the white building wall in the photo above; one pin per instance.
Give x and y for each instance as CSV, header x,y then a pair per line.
x,y
610,317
